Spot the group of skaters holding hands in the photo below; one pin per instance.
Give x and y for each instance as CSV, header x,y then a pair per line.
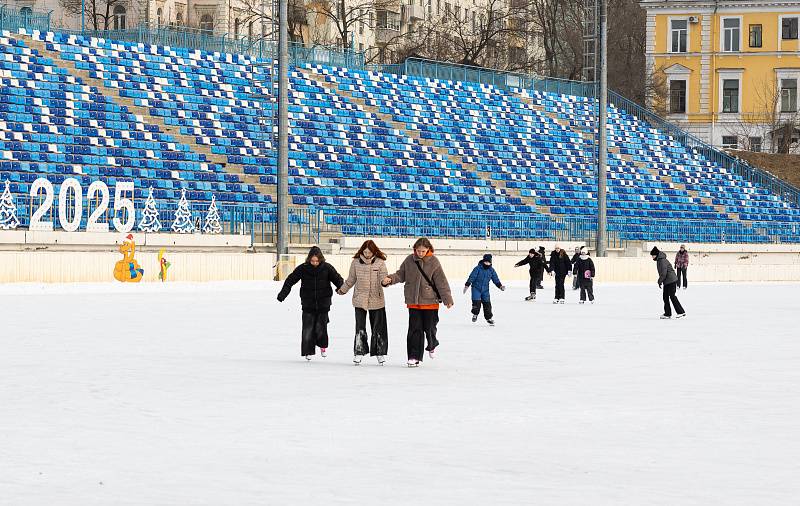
x,y
425,287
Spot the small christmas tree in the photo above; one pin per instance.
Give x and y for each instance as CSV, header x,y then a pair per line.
x,y
8,210
150,222
183,217
212,225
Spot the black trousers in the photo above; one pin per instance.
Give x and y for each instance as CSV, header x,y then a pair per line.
x,y
586,286
576,283
682,273
669,295
487,308
421,327
380,338
315,332
534,283
560,286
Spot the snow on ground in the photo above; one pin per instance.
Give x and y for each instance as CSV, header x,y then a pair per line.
x,y
185,394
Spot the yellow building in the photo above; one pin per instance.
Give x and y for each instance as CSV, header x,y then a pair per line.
x,y
728,70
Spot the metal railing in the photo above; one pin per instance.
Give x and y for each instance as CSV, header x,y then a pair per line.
x,y
13,18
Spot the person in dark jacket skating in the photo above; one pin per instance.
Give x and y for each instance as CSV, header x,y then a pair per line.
x,y
479,279
681,264
535,262
583,269
668,281
542,254
575,278
561,267
316,277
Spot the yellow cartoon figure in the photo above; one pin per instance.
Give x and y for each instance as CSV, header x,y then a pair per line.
x,y
127,270
163,265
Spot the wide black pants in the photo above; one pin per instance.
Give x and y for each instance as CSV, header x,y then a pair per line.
x,y
534,283
586,286
682,274
421,327
669,295
487,308
380,338
315,332
560,286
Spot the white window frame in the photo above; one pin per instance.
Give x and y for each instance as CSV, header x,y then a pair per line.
x,y
780,75
688,33
721,78
722,33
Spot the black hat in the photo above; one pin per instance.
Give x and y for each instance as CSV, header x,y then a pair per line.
x,y
487,257
532,250
654,251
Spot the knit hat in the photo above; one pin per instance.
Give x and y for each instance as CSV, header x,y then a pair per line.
x,y
532,250
584,251
654,251
487,257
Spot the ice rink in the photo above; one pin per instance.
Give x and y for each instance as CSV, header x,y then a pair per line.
x,y
184,394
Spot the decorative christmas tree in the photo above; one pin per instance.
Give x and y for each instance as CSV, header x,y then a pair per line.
x,y
150,222
183,217
8,210
212,225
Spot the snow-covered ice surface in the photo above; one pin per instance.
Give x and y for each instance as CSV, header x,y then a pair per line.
x,y
184,394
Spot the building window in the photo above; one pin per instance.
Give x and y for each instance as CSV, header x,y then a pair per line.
x,y
755,35
789,28
677,97
788,95
119,17
731,34
236,27
730,95
755,144
679,31
438,7
207,23
250,30
361,22
179,18
730,142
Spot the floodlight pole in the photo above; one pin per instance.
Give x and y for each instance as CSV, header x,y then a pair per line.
x,y
283,131
83,16
602,141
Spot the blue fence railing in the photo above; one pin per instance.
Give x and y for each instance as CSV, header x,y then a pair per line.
x,y
14,18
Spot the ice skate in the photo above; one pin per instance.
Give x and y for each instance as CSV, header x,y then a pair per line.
x,y
591,302
323,352
531,297
581,302
555,301
474,318
681,315
562,301
357,359
490,322
666,317
413,363
432,353
381,359
307,357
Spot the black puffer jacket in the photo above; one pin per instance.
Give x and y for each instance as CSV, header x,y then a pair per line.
x,y
582,265
559,264
535,265
315,286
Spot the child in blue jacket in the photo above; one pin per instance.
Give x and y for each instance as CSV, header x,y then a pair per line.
x,y
479,279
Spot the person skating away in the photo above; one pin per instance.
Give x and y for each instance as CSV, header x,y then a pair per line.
x,y
584,273
425,287
560,267
681,264
479,279
575,277
367,271
542,254
536,265
316,277
668,282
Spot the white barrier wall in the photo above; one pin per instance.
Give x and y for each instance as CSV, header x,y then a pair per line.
x,y
73,266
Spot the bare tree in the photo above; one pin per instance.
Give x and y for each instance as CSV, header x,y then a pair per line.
x,y
252,13
99,14
346,15
775,115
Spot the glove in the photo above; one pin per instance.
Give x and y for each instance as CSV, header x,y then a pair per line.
x,y
659,284
465,289
502,288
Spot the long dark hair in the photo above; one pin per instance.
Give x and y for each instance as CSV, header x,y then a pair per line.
x,y
315,252
370,245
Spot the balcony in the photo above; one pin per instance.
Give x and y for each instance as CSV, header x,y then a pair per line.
x,y
387,26
413,13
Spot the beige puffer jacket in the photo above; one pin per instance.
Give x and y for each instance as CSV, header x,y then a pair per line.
x,y
366,276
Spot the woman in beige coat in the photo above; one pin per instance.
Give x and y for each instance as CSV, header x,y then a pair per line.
x,y
367,271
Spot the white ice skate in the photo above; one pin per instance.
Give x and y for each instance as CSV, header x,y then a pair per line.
x,y
307,357
681,315
490,322
323,352
581,302
665,317
531,297
432,353
357,359
381,359
413,363
555,301
562,301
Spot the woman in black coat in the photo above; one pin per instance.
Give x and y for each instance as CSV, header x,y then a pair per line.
x,y
315,277
584,273
536,266
561,267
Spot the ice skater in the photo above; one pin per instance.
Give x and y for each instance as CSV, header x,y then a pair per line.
x,y
542,254
668,282
316,277
559,266
479,280
574,259
425,288
681,264
536,264
584,273
367,271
